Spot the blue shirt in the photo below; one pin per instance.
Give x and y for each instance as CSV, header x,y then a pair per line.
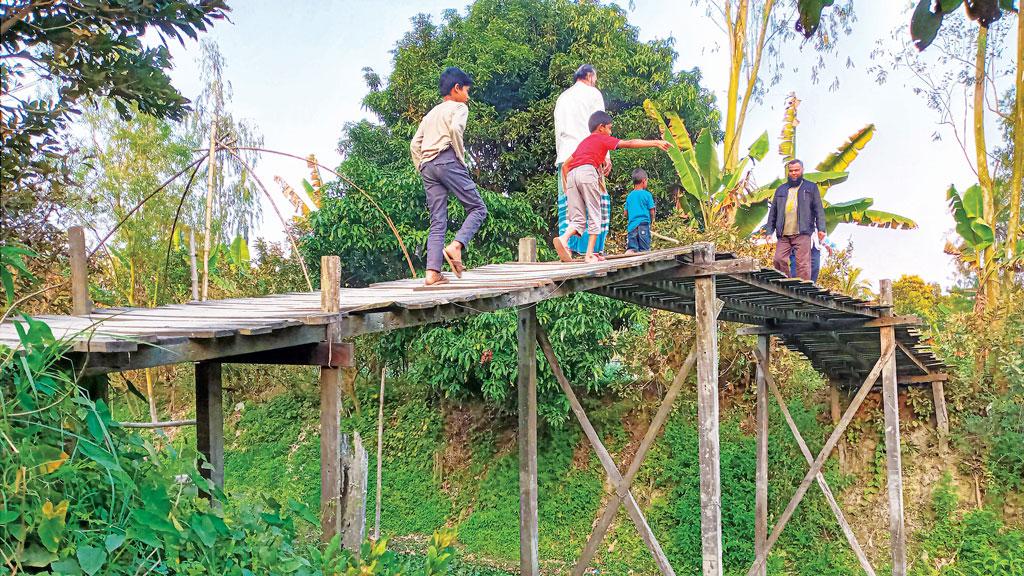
x,y
639,204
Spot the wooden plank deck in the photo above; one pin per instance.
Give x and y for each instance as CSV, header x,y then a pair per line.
x,y
825,326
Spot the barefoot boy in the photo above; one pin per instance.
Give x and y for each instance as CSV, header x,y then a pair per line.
x,y
639,212
439,156
583,184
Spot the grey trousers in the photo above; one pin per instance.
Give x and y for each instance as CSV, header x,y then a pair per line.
x,y
583,193
442,176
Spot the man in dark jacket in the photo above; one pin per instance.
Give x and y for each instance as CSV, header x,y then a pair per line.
x,y
795,214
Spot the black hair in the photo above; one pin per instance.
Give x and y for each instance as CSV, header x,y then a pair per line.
x,y
583,71
599,118
639,175
795,161
452,77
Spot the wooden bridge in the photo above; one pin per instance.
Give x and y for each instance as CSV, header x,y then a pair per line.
x,y
853,342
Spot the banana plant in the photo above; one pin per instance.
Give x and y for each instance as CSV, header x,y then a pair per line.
x,y
831,171
711,196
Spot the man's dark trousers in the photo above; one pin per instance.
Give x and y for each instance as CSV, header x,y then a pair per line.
x,y
801,245
441,176
815,263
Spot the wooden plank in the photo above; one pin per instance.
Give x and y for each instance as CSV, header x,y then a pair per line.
x,y
526,335
829,326
827,303
81,304
715,268
836,411
210,420
923,378
604,457
761,474
830,444
330,409
941,416
865,564
893,458
707,416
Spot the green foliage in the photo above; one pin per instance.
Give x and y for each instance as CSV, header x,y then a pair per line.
x,y
12,265
974,543
912,295
81,51
927,18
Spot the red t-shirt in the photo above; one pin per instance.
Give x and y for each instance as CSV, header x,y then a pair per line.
x,y
593,150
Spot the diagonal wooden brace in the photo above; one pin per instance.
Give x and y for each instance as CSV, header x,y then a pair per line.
x,y
840,517
606,459
830,444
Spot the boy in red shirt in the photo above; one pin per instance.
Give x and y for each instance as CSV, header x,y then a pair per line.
x,y
582,183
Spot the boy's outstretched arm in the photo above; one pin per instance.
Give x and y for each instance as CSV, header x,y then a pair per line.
x,y
637,143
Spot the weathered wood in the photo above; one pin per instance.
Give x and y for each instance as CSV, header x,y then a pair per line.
x,y
865,564
829,326
761,482
893,458
836,410
355,473
716,268
614,477
380,456
826,303
941,415
81,304
707,416
923,378
830,444
526,332
335,355
210,420
330,409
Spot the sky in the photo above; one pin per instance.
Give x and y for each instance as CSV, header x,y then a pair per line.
x,y
296,73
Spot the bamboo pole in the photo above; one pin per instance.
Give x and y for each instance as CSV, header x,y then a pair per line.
x,y
210,181
380,455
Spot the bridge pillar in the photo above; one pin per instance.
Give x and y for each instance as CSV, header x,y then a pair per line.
x,y
707,415
526,331
330,406
210,420
893,459
761,484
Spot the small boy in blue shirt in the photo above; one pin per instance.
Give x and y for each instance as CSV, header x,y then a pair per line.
x,y
640,214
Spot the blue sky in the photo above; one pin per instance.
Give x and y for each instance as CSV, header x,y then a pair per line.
x,y
295,70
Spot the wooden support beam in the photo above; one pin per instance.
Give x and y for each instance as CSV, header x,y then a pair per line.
x,y
330,408
615,478
81,304
707,416
761,485
334,355
526,333
740,305
941,416
780,289
893,458
830,444
210,420
865,564
836,409
828,326
743,265
923,379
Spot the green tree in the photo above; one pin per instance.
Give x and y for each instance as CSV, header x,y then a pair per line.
x,y
55,56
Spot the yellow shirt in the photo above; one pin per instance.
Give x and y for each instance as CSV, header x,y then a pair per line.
x,y
441,128
792,221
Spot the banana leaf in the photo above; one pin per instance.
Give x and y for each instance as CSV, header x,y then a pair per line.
x,y
968,214
825,179
787,140
810,15
680,148
759,148
707,163
748,216
875,219
841,159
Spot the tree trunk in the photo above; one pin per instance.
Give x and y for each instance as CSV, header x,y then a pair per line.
x,y
192,263
737,31
210,181
1017,175
988,282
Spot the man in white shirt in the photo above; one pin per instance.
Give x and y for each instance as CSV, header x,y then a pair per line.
x,y
572,115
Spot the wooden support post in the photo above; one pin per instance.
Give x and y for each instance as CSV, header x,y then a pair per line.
x,y
941,415
526,331
330,407
355,466
81,305
761,486
762,360
893,460
210,420
837,412
707,416
830,444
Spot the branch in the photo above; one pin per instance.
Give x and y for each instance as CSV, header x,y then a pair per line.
x,y
21,14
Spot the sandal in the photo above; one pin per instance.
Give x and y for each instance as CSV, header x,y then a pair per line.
x,y
456,265
563,251
438,280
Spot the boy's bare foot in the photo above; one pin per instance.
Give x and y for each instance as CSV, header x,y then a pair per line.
x,y
453,255
591,259
563,250
600,257
434,278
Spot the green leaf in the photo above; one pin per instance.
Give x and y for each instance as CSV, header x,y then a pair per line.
x,y
67,566
51,524
843,156
98,455
707,162
203,528
826,179
759,148
91,559
787,139
974,202
239,252
810,15
36,556
113,541
924,24
749,216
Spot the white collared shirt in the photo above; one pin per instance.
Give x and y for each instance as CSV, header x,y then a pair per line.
x,y
572,116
